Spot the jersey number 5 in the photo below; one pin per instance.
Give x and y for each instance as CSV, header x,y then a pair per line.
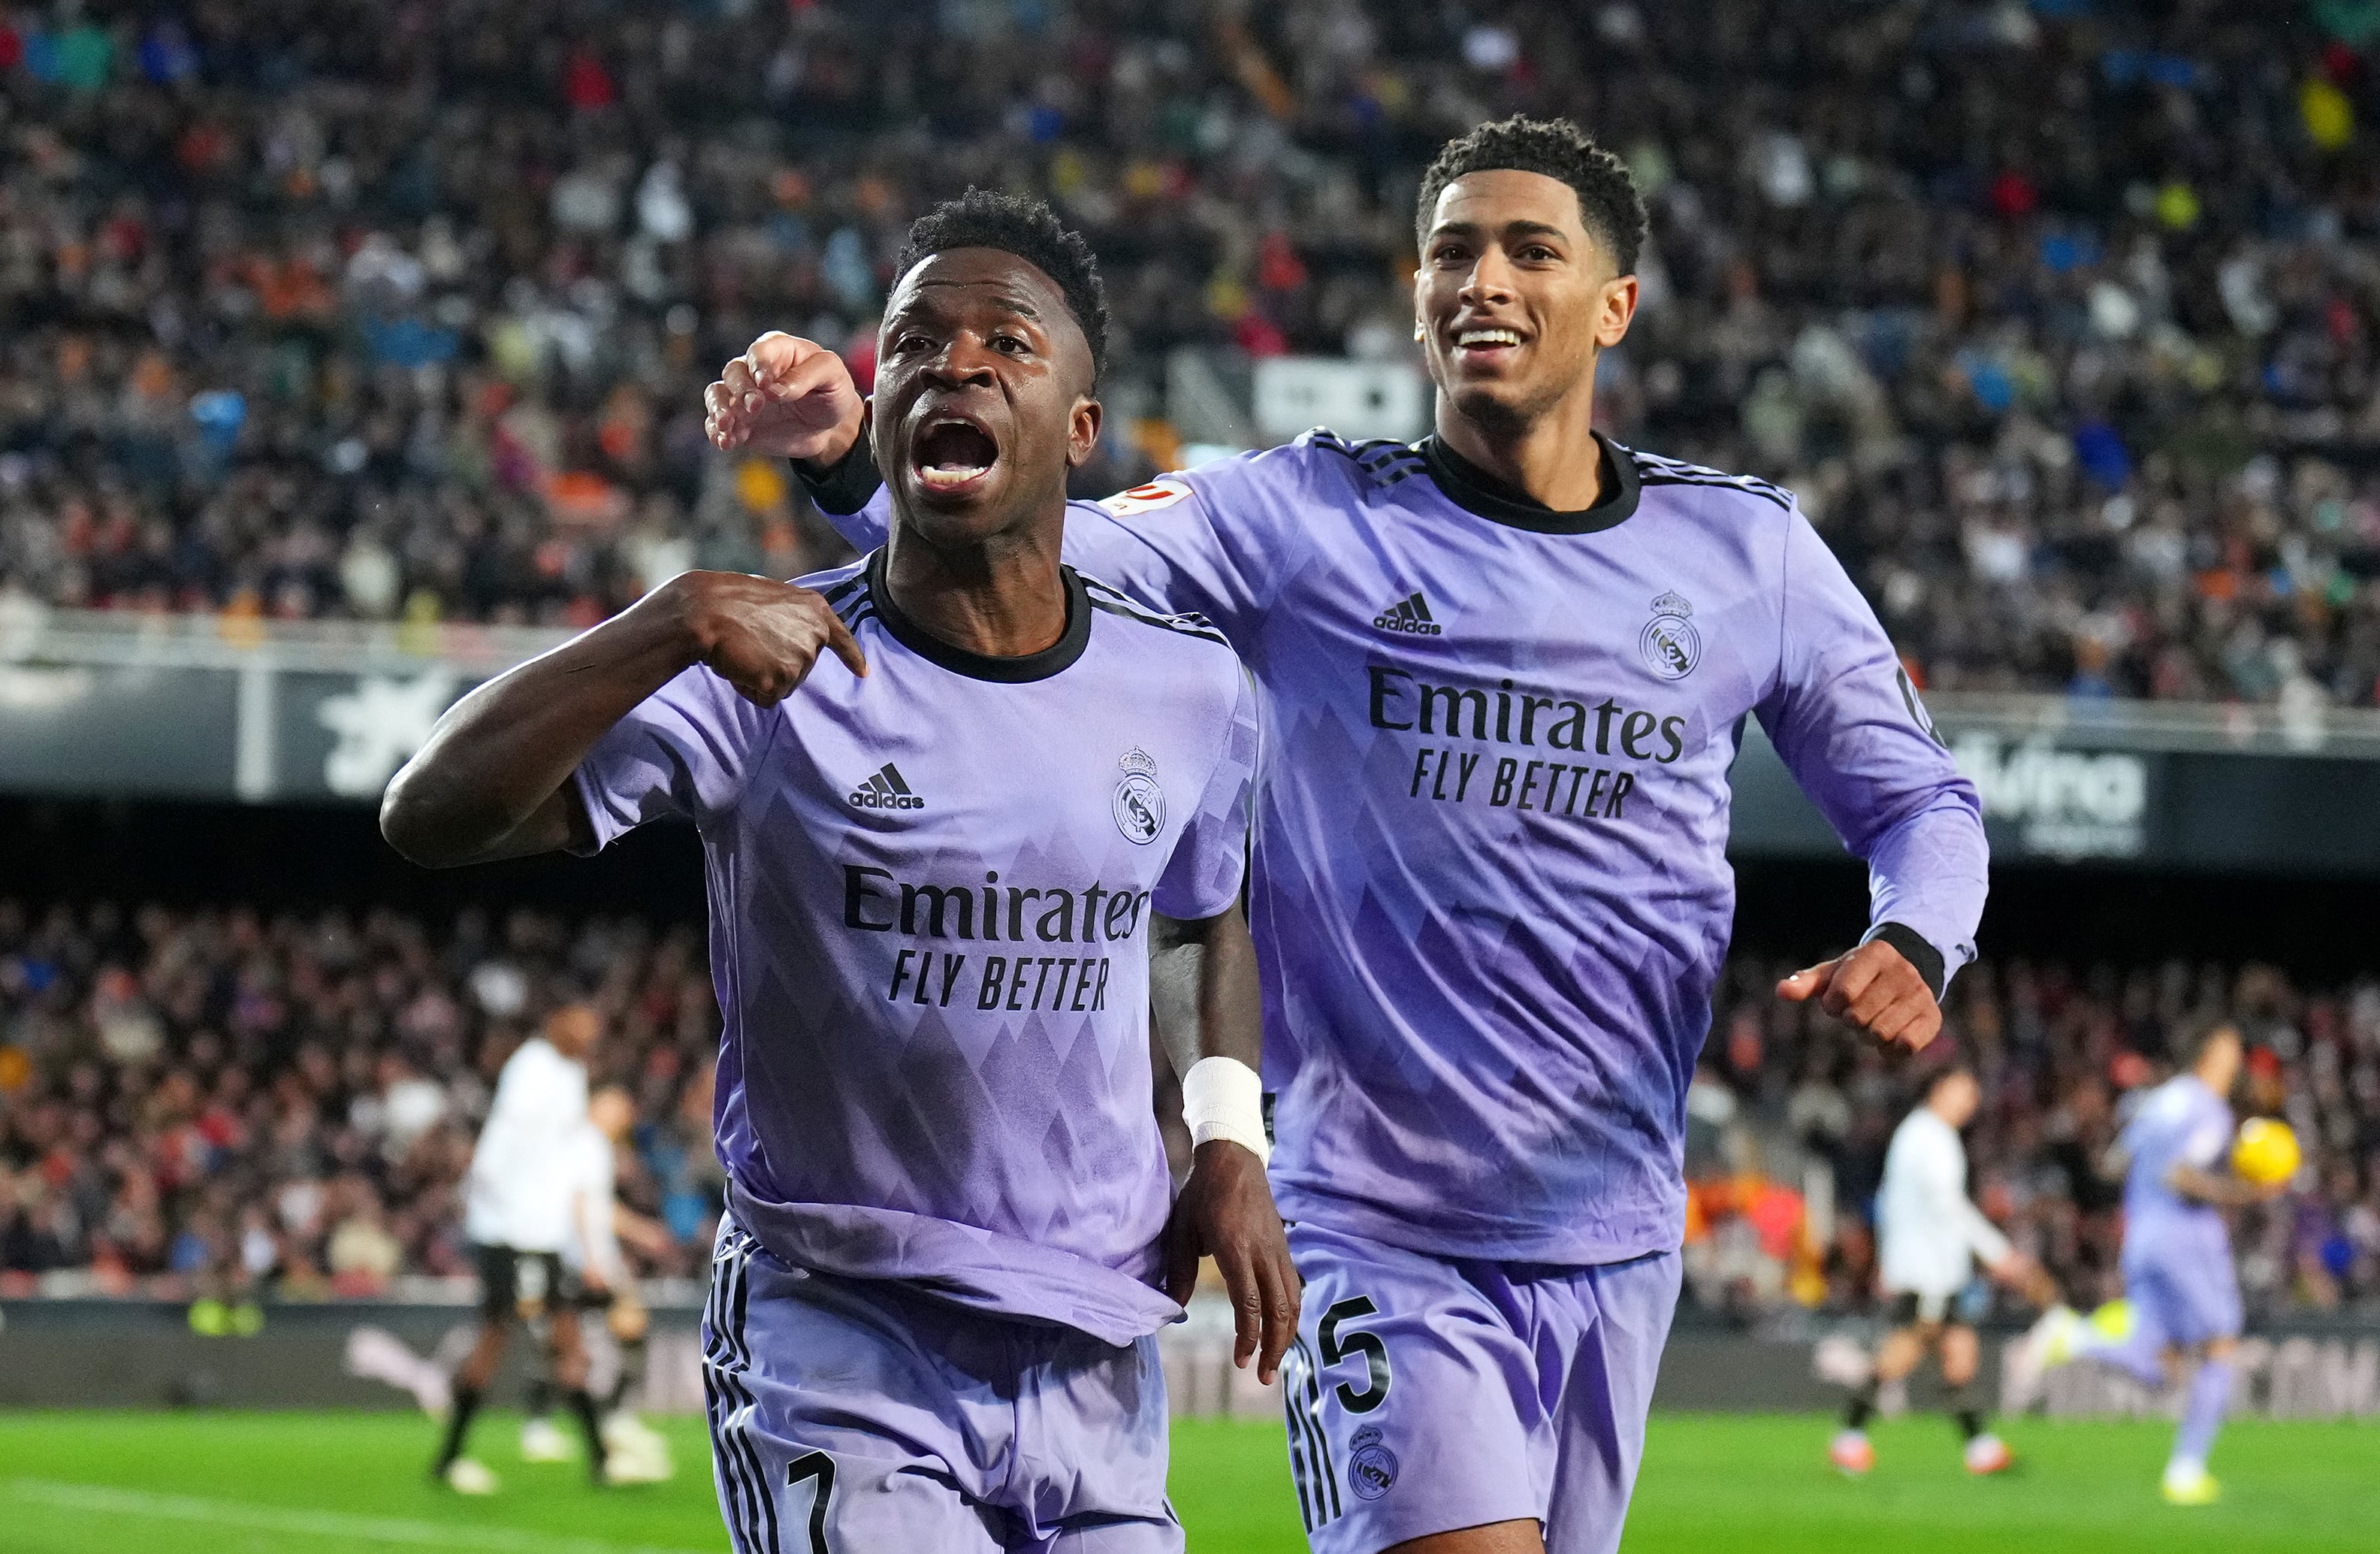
x,y
1340,1344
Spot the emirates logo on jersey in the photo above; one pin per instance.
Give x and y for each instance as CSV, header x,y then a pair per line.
x,y
1139,802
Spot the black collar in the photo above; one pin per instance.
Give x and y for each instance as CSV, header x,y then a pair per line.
x,y
1476,491
1056,658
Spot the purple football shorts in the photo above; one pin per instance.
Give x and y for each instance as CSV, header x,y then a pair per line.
x,y
1429,1393
857,1417
2184,1300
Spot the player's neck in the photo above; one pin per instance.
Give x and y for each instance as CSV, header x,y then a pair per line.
x,y
1001,598
1554,458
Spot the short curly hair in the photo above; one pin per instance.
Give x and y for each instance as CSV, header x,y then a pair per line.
x,y
983,218
1608,200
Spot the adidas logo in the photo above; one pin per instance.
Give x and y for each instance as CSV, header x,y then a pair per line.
x,y
1409,616
885,790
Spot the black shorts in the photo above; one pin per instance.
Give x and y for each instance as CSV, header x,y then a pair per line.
x,y
1908,1308
519,1284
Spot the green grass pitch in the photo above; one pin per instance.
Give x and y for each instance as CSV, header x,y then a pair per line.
x,y
313,1484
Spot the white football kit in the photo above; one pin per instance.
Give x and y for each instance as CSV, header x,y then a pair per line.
x,y
1931,1237
523,1172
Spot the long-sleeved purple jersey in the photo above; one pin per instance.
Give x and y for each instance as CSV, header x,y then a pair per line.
x,y
1490,890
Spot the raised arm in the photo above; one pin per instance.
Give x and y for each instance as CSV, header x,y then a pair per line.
x,y
493,780
1216,542
1847,722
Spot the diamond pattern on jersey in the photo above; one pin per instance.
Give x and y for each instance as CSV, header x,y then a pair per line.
x,y
1020,1125
1518,1055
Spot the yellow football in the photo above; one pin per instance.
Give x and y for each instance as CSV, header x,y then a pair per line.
x,y
2266,1151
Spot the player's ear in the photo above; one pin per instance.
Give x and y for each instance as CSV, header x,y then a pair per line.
x,y
1618,307
1083,431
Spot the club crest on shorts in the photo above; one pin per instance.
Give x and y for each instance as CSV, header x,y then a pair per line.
x,y
1371,1466
1139,802
1671,645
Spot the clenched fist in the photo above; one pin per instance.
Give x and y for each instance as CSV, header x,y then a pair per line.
x,y
1874,989
785,397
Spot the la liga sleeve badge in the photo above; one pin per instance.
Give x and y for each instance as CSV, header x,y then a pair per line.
x,y
1163,491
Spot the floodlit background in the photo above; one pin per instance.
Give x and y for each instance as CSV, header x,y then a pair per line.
x,y
351,352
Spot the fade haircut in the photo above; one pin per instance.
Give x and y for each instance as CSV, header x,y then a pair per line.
x,y
1607,201
983,218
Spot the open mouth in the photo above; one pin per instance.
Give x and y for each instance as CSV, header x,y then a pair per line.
x,y
952,454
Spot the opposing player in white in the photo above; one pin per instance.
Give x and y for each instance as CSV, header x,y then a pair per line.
x,y
1932,1237
602,1283
516,1212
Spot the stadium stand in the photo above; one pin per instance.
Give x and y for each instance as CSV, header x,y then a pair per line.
x,y
209,1102
2061,319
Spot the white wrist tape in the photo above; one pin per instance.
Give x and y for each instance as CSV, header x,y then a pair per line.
x,y
1223,1098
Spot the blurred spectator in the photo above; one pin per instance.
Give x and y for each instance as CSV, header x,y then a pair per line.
x,y
306,1112
1783,1189
301,1110
2061,319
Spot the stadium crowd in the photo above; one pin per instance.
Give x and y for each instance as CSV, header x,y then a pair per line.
x,y
214,1104
2061,317
218,1103
1792,1115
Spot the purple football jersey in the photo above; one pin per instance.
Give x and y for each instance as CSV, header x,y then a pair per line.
x,y
929,902
1491,890
2182,1122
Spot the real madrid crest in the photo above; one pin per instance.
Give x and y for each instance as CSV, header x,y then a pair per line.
x,y
1671,645
1139,802
1371,1466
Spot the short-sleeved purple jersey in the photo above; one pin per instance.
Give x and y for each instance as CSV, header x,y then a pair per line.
x,y
2182,1122
929,900
1491,890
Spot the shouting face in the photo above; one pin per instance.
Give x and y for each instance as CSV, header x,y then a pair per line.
x,y
1515,296
982,395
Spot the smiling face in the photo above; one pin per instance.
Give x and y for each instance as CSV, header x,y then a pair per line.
x,y
983,396
1514,298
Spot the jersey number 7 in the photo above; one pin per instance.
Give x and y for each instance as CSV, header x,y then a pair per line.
x,y
817,1465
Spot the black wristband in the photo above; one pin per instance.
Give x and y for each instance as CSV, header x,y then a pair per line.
x,y
1915,951
840,489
